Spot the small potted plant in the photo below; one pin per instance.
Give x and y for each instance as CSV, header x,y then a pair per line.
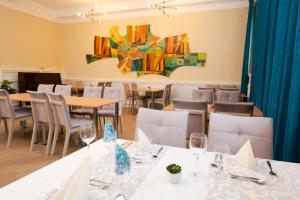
x,y
6,85
174,173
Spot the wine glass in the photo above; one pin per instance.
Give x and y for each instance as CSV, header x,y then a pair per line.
x,y
220,150
88,134
198,144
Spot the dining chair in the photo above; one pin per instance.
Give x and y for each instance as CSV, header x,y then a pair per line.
x,y
62,119
139,97
239,108
109,110
91,93
202,95
42,116
197,114
46,88
236,130
164,100
64,90
228,96
127,95
163,127
7,112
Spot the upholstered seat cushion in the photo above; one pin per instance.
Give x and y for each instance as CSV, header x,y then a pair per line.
x,y
82,111
77,122
22,114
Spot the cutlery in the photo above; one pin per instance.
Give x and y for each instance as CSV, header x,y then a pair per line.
x,y
120,197
255,180
127,144
136,160
99,183
243,177
159,150
213,164
271,170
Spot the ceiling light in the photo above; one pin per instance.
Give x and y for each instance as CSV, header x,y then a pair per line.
x,y
91,14
163,7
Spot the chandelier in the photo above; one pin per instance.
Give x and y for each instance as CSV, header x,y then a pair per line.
x,y
163,7
91,14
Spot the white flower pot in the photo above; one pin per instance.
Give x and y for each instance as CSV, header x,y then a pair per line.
x,y
174,178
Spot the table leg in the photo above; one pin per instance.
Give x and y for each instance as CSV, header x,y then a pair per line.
x,y
152,96
132,103
95,116
116,116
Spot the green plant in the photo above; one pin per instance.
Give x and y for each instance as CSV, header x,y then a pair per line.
x,y
174,168
5,85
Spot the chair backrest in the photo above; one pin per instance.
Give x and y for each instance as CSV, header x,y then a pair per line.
x,y
164,127
6,108
61,110
197,114
202,95
64,90
166,94
229,87
45,88
240,108
228,96
127,91
41,108
92,92
112,93
133,87
236,130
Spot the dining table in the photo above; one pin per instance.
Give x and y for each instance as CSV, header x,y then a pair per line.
x,y
92,103
149,180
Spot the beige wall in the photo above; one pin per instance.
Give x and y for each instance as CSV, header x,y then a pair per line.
x,y
28,42
220,33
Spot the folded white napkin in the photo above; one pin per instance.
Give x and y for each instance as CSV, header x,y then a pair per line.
x,y
76,187
245,156
143,143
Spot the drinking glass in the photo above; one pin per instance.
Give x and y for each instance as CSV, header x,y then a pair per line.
x,y
198,145
88,135
221,151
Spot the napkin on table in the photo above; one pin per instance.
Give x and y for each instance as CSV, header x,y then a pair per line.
x,y
122,160
143,143
76,187
109,133
245,156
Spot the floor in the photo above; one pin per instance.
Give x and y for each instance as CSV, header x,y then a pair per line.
x,y
17,161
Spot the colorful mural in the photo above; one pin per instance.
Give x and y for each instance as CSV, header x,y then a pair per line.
x,y
141,51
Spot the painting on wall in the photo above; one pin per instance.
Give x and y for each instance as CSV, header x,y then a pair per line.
x,y
142,52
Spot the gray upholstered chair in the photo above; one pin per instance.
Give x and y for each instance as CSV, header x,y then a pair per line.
x,y
109,110
164,100
164,127
197,114
236,130
92,93
7,112
45,88
64,90
239,108
202,95
62,119
42,115
228,96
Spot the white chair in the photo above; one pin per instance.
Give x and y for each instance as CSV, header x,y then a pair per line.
x,y
109,110
62,119
164,100
45,88
236,130
228,96
164,127
8,113
202,95
64,90
92,93
42,115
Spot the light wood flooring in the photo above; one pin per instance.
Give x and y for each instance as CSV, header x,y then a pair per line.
x,y
17,161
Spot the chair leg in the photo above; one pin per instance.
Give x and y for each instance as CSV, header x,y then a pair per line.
x,y
34,135
54,139
44,133
10,132
121,126
22,127
67,138
5,126
49,140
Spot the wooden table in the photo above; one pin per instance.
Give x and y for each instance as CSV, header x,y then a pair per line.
x,y
148,89
79,101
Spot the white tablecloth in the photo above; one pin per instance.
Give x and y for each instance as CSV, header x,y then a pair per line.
x,y
155,184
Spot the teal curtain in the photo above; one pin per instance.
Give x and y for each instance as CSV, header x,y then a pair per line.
x,y
248,47
275,83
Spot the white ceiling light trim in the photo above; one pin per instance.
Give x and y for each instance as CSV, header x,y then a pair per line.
x,y
118,9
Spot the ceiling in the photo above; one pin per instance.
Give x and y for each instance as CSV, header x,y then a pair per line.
x,y
65,11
